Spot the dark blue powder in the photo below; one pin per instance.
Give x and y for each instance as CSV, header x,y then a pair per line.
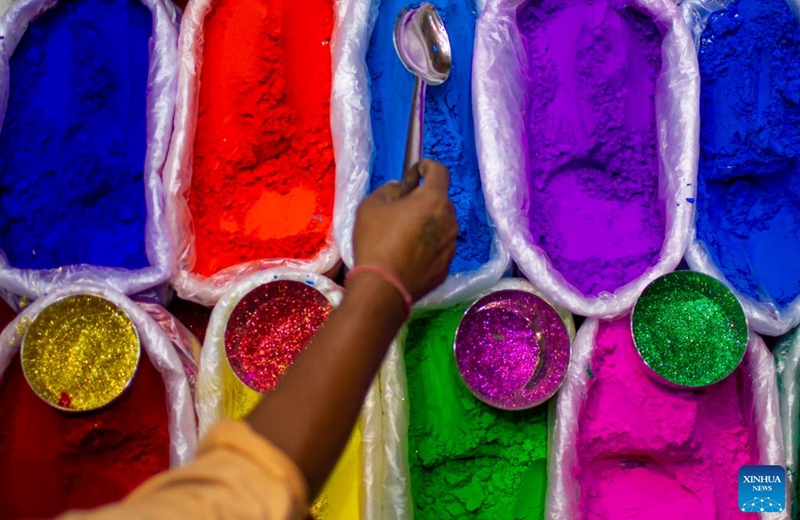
x,y
72,146
749,178
449,131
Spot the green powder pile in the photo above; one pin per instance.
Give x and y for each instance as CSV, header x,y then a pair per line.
x,y
467,459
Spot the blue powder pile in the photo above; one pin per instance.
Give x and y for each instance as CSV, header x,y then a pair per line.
x,y
449,133
72,146
749,179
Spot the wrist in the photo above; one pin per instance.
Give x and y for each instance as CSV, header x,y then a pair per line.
x,y
376,296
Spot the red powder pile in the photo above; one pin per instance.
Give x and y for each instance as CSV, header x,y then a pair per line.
x,y
51,461
263,175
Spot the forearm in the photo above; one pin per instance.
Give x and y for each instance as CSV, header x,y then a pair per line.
x,y
313,409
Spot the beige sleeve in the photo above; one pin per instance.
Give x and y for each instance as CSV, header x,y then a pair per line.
x,y
237,475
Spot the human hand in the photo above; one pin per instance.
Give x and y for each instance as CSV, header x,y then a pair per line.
x,y
413,237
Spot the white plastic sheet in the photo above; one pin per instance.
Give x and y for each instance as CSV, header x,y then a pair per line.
x,y
696,13
155,344
186,344
352,131
499,103
162,77
563,492
397,503
395,481
178,172
4,4
764,318
787,357
221,396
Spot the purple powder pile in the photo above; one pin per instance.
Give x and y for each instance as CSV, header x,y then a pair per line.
x,y
593,173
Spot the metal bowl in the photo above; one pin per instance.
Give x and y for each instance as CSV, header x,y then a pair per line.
x,y
80,353
269,326
670,359
512,350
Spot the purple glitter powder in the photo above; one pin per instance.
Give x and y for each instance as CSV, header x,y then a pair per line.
x,y
512,350
269,327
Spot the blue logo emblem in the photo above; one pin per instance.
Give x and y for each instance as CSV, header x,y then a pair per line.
x,y
762,489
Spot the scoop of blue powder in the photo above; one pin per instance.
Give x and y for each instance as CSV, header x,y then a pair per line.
x,y
449,132
748,195
73,142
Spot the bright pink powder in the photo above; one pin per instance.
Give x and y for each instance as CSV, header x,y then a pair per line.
x,y
646,451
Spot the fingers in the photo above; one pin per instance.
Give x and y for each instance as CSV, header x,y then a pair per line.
x,y
436,175
389,192
410,181
450,210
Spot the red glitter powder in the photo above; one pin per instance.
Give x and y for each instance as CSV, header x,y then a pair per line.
x,y
263,171
269,327
51,461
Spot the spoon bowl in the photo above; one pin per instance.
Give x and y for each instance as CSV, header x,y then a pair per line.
x,y
422,43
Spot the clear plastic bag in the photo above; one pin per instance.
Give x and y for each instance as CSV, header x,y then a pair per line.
x,y
178,172
764,318
787,357
696,13
498,101
155,344
397,502
4,4
395,484
563,490
221,395
33,283
186,344
352,134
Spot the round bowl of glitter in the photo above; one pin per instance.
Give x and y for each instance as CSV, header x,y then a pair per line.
x,y
80,353
512,350
269,326
689,329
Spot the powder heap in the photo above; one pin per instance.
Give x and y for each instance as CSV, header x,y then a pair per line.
x,y
72,146
467,459
263,176
748,204
645,451
52,461
591,143
449,133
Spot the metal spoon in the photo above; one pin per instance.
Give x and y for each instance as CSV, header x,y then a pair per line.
x,y
423,46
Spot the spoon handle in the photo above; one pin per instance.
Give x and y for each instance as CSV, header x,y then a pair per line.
x,y
410,178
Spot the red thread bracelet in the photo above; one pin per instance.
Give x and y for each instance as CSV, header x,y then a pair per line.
x,y
387,277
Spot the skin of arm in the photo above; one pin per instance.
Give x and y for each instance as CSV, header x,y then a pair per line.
x,y
313,409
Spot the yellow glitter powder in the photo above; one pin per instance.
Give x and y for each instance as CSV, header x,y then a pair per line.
x,y
80,353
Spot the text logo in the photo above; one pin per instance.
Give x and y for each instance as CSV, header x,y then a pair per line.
x,y
762,489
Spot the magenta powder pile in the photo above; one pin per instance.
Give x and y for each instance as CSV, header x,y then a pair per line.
x,y
646,451
591,139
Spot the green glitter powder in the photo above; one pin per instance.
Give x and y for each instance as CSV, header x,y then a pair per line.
x,y
467,459
690,329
